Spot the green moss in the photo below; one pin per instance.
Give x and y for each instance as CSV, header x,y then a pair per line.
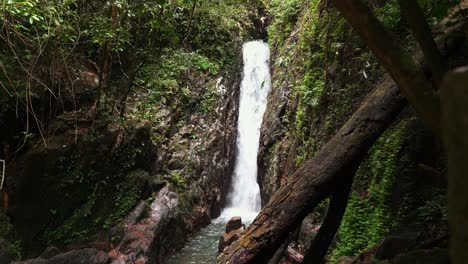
x,y
368,217
75,228
84,189
125,201
172,80
208,99
102,211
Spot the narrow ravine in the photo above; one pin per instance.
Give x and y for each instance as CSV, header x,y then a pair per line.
x,y
244,197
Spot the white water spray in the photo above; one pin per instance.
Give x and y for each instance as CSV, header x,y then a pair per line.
x,y
244,199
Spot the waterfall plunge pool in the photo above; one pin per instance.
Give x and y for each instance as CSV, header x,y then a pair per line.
x,y
203,247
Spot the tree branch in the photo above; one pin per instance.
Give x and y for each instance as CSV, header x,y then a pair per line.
x,y
322,241
409,77
423,35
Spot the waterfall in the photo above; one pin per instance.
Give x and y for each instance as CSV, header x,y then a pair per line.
x,y
244,198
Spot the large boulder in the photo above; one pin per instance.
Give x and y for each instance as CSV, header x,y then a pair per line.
x,y
233,224
234,230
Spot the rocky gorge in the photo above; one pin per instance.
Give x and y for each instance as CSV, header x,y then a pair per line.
x,y
125,147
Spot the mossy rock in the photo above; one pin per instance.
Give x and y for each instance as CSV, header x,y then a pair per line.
x,y
70,194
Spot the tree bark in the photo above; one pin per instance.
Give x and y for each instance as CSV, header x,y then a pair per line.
x,y
322,241
454,96
409,77
423,35
318,178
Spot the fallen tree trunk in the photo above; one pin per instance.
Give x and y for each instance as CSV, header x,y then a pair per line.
x,y
318,178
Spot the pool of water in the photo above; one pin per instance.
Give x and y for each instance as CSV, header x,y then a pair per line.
x,y
203,247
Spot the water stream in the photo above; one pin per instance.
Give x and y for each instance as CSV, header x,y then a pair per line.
x,y
244,198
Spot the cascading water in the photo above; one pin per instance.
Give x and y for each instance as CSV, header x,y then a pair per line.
x,y
244,198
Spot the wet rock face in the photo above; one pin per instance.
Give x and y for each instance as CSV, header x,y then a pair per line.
x,y
202,151
84,256
143,241
196,162
274,159
234,230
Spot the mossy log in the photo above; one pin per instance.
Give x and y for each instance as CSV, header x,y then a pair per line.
x,y
318,178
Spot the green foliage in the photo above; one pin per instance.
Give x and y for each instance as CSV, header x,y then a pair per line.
x,y
169,82
40,21
124,203
208,100
435,10
368,217
285,15
217,27
390,15
135,48
319,40
72,230
100,182
177,181
435,209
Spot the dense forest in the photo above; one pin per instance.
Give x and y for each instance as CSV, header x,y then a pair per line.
x,y
233,131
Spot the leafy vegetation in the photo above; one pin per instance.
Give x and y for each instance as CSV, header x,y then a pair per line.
x,y
368,217
128,47
177,181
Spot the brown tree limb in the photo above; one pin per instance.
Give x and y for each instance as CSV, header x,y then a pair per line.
x,y
409,77
283,249
423,35
454,96
189,29
322,241
318,178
